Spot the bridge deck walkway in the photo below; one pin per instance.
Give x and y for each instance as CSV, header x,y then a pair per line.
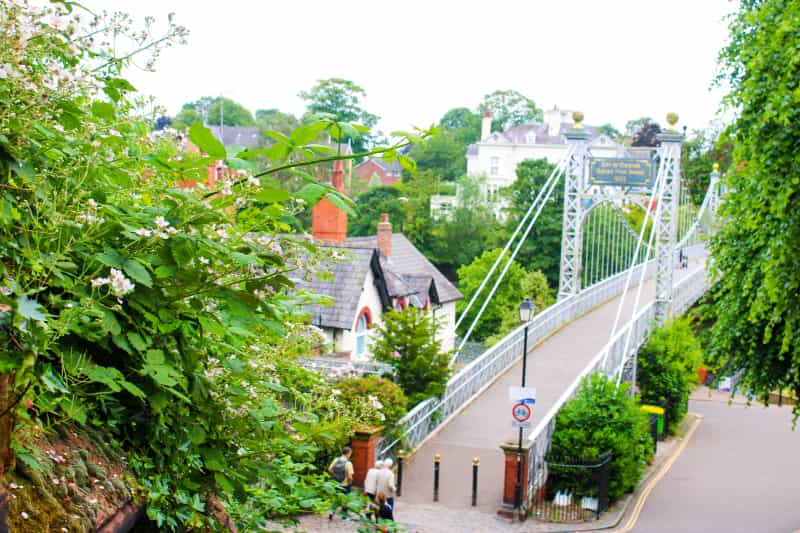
x,y
480,428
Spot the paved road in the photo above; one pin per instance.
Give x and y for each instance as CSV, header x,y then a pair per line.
x,y
739,473
483,425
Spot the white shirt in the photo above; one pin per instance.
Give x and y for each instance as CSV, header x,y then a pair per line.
x,y
371,480
385,483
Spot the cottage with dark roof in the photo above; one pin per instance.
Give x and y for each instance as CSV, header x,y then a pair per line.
x,y
373,275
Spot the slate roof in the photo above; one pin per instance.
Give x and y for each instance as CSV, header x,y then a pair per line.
x,y
249,136
409,261
349,274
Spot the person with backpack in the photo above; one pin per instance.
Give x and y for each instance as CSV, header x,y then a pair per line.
x,y
341,469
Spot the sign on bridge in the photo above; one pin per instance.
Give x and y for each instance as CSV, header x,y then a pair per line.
x,y
622,172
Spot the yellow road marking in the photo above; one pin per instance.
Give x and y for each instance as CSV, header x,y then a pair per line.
x,y
637,509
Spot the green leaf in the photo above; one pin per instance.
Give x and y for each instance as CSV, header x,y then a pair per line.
x,y
23,169
162,372
271,195
133,389
103,110
307,133
223,482
337,200
311,194
29,309
244,259
53,381
110,257
240,164
183,251
108,376
137,272
197,434
214,459
137,341
205,140
211,325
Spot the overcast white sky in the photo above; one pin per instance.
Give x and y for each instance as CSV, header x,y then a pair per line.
x,y
615,59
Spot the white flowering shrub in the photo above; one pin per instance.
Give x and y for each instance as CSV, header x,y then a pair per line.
x,y
139,299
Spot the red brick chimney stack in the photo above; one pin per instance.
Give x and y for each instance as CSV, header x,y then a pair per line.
x,y
328,222
385,235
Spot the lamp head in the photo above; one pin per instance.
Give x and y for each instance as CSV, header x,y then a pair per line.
x,y
526,310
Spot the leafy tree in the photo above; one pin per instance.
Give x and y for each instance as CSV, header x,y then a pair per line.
x,y
542,249
756,300
275,120
389,402
211,110
407,340
646,135
162,122
370,205
605,418
507,298
509,108
698,155
463,124
341,99
633,126
667,367
442,154
534,286
610,131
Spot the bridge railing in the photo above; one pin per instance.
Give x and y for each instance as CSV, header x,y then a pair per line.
x,y
470,381
608,360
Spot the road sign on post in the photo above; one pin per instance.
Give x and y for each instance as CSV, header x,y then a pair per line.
x,y
522,395
521,415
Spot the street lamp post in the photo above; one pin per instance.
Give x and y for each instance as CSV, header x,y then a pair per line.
x,y
526,311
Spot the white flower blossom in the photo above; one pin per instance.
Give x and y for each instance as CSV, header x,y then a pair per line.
x,y
59,128
98,282
226,188
143,232
171,230
119,283
161,222
114,132
24,515
91,203
254,181
5,291
260,294
163,235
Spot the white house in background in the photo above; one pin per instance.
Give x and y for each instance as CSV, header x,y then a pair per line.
x,y
375,274
498,153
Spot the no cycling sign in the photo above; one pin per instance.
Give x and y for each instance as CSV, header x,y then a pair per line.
x,y
522,400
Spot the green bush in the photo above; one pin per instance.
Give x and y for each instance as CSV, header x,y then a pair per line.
x,y
603,417
407,340
667,369
387,398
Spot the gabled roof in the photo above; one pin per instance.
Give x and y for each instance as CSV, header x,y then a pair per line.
x,y
409,261
349,273
393,167
534,133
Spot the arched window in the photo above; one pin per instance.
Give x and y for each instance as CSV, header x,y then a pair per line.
x,y
362,325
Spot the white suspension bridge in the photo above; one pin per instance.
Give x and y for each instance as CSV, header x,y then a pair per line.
x,y
616,284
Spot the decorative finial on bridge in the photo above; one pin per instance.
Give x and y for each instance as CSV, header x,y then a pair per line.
x,y
672,120
715,167
577,117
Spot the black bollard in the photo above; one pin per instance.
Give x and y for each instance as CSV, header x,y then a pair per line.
x,y
400,456
475,463
436,459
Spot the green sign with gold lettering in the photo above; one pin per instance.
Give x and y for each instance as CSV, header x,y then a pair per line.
x,y
623,172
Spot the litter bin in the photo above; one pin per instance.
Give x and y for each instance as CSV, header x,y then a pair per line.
x,y
659,412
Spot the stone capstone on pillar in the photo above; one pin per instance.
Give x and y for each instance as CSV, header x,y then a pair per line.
x,y
363,444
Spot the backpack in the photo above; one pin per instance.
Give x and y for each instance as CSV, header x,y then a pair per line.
x,y
338,470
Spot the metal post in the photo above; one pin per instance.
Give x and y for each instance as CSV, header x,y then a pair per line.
x,y
436,459
475,463
518,486
400,456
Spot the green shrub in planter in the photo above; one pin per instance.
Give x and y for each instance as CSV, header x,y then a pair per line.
x,y
383,394
603,417
667,369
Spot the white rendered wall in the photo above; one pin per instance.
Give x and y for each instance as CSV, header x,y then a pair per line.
x,y
446,318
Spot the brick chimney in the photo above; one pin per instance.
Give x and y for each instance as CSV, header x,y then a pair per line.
x,y
385,235
486,125
328,222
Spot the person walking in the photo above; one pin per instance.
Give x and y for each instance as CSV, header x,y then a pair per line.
x,y
341,469
371,483
385,482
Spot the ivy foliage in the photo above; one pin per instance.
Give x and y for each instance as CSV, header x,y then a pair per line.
x,y
141,297
605,418
408,341
667,367
757,294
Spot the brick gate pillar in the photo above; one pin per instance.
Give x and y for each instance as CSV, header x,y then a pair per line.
x,y
363,444
511,450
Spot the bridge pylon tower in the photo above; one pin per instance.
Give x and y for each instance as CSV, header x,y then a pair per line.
x,y
569,280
